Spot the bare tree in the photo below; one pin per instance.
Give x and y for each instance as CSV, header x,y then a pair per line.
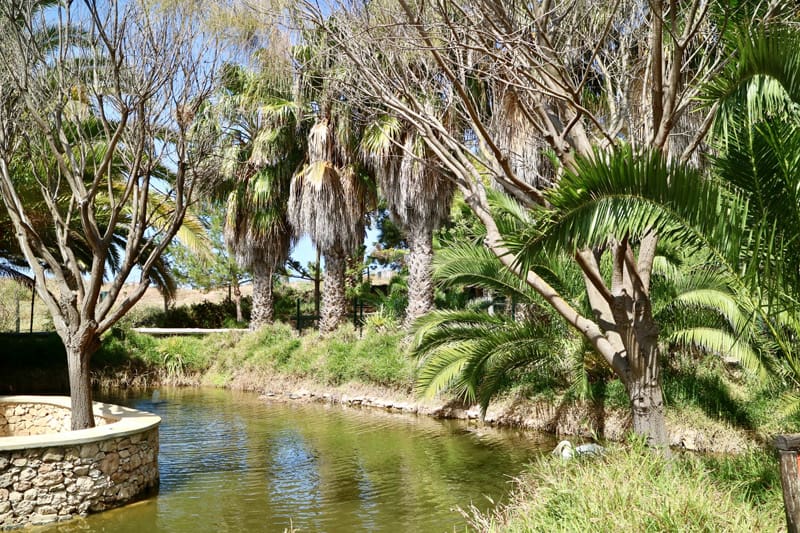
x,y
100,105
574,77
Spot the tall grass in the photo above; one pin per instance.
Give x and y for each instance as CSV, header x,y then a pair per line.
x,y
633,489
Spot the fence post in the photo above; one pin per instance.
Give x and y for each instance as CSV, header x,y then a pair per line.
x,y
787,446
33,302
299,318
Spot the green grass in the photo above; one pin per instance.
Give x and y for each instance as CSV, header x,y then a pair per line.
x,y
633,489
373,357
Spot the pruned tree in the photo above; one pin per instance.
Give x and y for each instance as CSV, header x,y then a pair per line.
x,y
114,95
580,78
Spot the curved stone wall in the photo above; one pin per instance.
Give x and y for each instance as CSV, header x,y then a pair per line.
x,y
54,476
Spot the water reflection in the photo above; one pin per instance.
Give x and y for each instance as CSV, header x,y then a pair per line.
x,y
230,462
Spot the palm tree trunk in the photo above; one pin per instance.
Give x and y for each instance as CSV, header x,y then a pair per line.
x,y
334,301
317,283
263,311
420,278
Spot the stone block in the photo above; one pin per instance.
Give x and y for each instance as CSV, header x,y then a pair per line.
x,y
52,455
41,519
27,474
89,451
30,495
110,463
46,509
23,507
84,484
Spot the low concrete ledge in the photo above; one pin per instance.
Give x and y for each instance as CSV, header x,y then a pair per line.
x,y
111,421
161,332
54,476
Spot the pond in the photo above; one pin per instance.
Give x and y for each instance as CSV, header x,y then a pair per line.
x,y
232,462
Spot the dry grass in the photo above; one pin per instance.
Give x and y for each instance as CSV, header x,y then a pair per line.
x,y
41,317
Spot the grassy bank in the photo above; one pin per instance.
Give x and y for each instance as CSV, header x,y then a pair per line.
x,y
371,357
632,489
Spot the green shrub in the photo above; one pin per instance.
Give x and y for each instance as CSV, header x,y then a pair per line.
x,y
634,489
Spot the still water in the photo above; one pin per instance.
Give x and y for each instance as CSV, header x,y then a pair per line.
x,y
232,462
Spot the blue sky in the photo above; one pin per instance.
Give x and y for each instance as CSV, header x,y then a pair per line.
x,y
304,253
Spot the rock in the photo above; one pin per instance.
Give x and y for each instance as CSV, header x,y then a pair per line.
x,y
84,484
110,463
21,461
89,450
41,519
27,474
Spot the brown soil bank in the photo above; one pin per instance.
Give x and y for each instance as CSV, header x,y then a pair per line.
x,y
691,431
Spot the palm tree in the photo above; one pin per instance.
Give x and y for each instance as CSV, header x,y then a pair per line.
x,y
328,200
331,193
417,195
477,355
262,127
757,135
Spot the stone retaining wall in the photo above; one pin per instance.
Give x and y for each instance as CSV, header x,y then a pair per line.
x,y
48,478
37,419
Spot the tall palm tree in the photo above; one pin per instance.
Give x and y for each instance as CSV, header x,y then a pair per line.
x,y
262,126
328,200
418,197
331,193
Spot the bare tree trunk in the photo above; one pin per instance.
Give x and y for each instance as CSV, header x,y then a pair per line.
x,y
79,347
334,301
237,300
420,277
263,301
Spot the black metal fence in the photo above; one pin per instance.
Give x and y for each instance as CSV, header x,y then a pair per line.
x,y
359,311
